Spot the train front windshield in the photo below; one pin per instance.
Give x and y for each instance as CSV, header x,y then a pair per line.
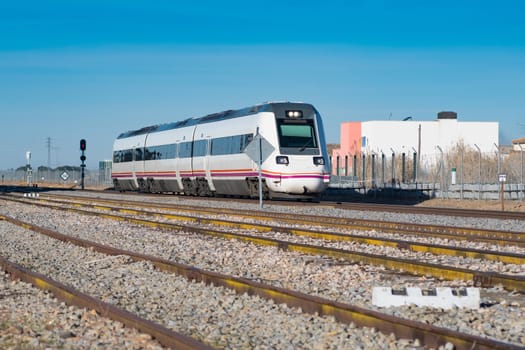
x,y
297,134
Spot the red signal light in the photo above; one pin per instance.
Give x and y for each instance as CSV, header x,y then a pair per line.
x,y
82,145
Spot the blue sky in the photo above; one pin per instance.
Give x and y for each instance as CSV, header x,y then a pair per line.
x,y
93,69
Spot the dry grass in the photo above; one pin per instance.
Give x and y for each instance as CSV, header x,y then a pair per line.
x,y
474,167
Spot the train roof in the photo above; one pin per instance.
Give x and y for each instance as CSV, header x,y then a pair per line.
x,y
229,114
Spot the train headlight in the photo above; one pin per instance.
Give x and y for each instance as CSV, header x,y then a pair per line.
x,y
294,114
282,160
318,160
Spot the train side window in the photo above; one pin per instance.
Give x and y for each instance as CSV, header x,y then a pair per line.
x,y
127,155
159,153
172,151
230,144
199,148
116,157
185,149
138,154
245,141
154,152
164,152
219,146
148,153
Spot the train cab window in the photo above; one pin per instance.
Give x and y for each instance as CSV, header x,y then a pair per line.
x,y
297,134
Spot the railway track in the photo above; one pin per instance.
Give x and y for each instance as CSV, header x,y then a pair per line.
x,y
369,206
325,223
415,265
337,204
163,335
400,208
439,231
429,335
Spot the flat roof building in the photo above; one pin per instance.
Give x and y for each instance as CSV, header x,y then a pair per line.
x,y
518,145
424,138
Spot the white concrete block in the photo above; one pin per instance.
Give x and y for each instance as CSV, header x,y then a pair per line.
x,y
443,297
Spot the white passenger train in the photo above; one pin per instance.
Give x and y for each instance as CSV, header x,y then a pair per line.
x,y
206,156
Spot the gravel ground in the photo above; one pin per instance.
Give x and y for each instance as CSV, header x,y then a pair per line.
x,y
215,315
336,280
482,223
470,263
372,233
33,319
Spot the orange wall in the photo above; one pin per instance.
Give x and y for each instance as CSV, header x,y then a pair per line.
x,y
351,138
350,144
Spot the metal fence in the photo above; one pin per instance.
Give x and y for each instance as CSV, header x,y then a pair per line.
x,y
66,177
463,172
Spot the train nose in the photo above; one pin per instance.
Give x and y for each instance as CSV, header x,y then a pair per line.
x,y
308,186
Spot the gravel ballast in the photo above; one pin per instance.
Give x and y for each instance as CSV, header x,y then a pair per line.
x,y
336,280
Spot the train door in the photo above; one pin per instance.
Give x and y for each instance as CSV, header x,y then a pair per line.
x,y
138,167
185,161
177,166
201,171
207,167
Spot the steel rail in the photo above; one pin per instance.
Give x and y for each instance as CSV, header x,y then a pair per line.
x,y
339,204
342,202
504,257
366,205
484,279
400,208
430,335
71,296
438,231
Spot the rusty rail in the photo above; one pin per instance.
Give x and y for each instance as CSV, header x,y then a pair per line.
x,y
484,279
165,336
402,328
439,231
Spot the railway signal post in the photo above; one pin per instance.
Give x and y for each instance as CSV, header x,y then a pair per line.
x,y
82,159
259,150
502,178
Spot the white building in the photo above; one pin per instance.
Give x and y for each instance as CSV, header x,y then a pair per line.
x,y
518,145
425,138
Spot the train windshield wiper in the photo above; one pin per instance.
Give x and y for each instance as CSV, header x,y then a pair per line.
x,y
303,147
